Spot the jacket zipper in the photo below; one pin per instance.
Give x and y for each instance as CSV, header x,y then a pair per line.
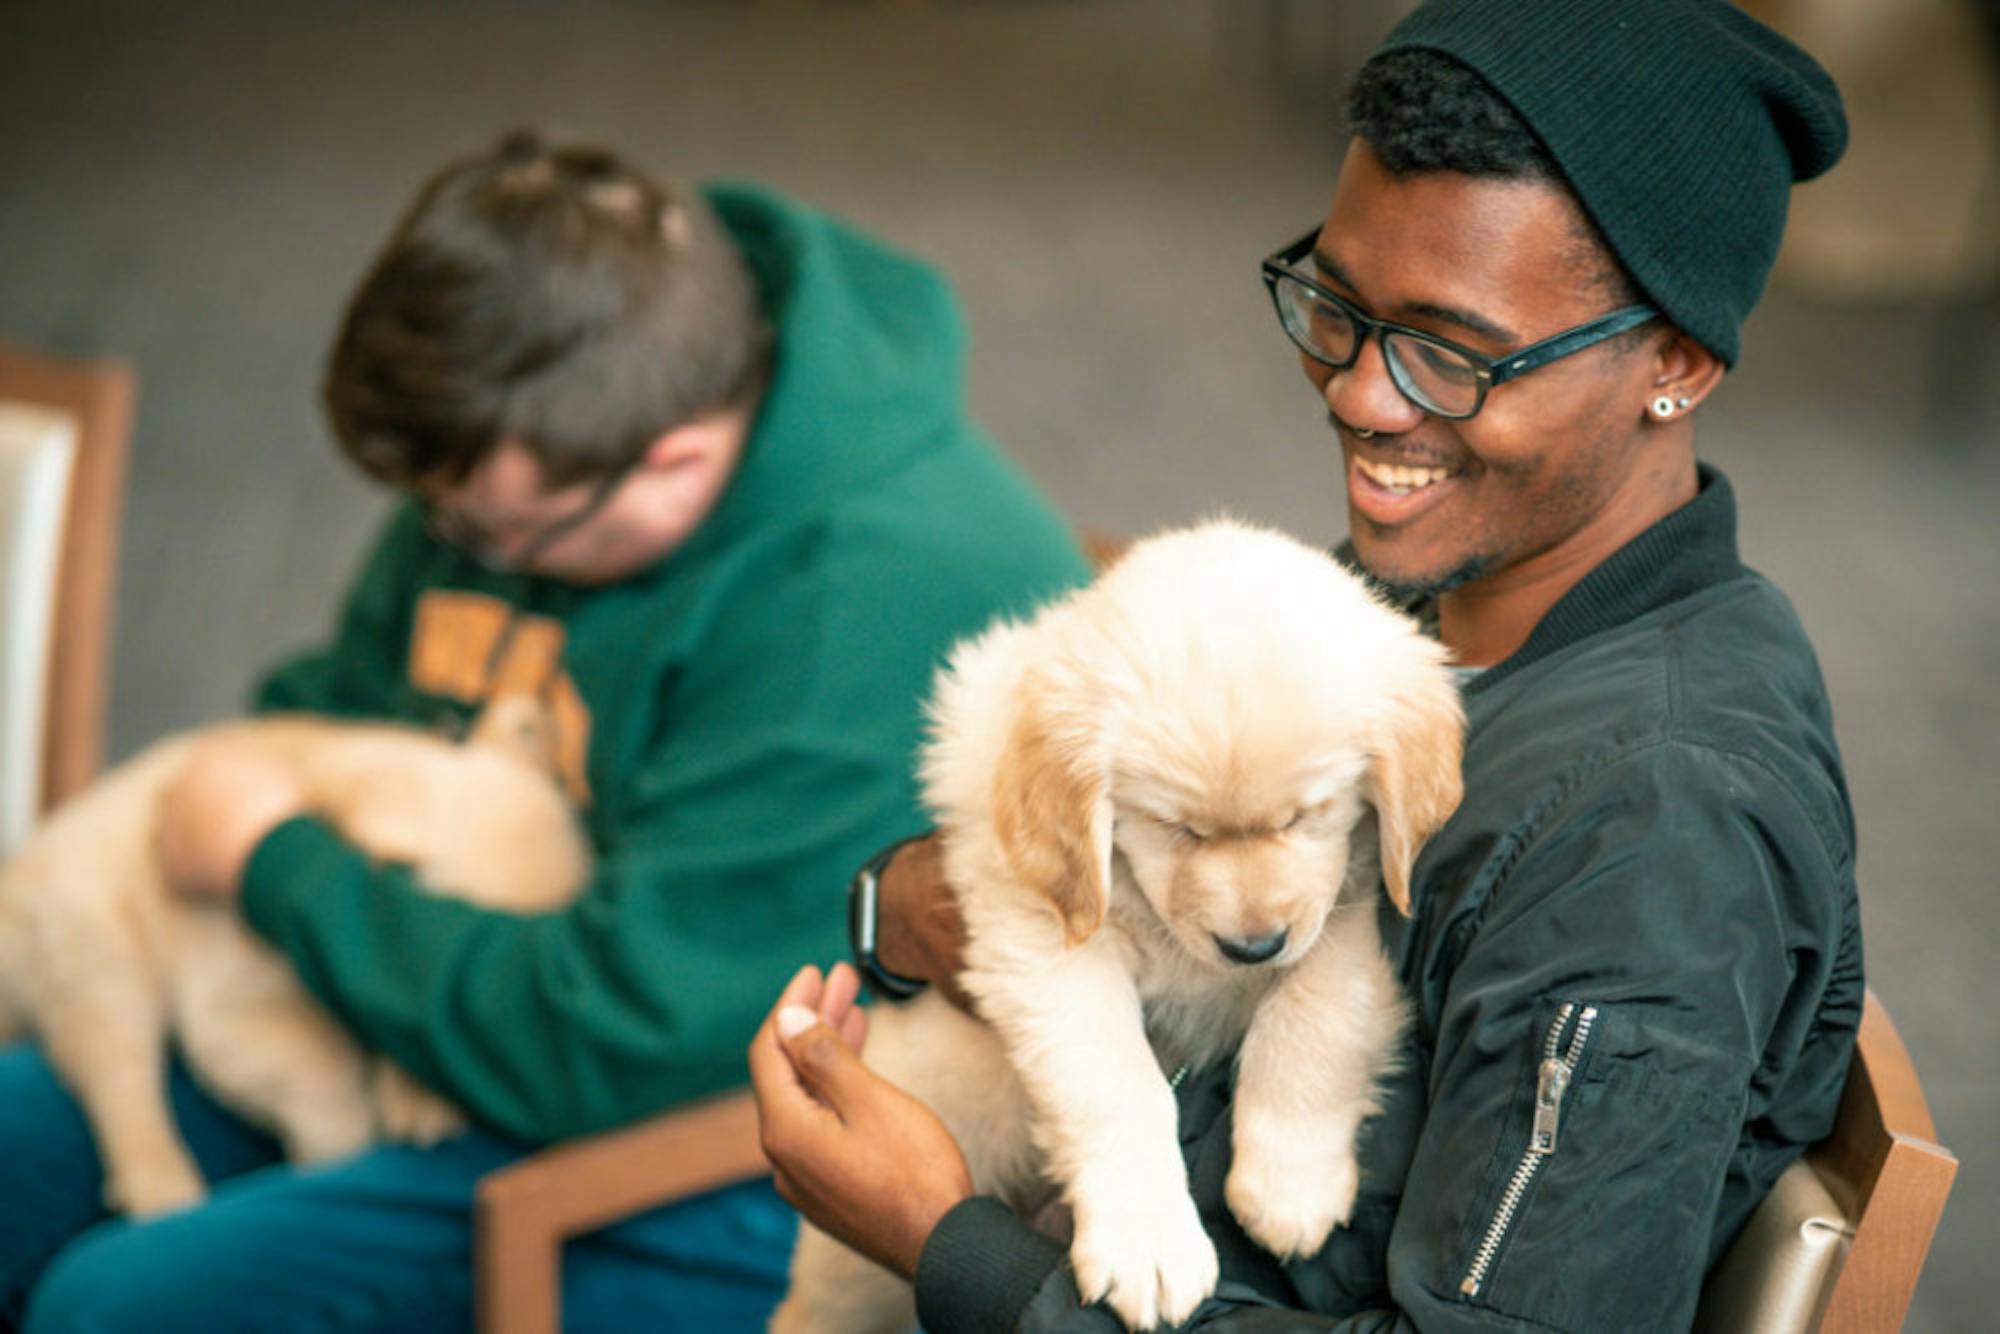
x,y
1551,1083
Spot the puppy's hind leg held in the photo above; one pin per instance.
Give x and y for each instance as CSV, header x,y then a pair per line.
x,y
837,1291
110,1048
279,1060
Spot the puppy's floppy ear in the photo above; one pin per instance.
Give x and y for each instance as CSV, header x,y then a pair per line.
x,y
1415,773
1052,810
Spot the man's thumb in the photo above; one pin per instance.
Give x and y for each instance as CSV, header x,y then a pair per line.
x,y
824,1062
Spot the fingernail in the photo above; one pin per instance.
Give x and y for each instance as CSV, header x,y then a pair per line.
x,y
794,1020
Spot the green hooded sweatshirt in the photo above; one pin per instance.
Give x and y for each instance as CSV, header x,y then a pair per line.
x,y
742,718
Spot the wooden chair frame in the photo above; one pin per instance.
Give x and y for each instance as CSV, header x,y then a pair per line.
x,y
1890,1176
99,397
524,1213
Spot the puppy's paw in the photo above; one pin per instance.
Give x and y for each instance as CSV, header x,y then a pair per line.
x,y
408,1113
1142,1251
328,1130
155,1187
1290,1189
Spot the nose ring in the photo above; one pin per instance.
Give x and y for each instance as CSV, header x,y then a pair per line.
x,y
1364,434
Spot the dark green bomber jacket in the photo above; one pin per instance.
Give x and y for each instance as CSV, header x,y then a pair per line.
x,y
1644,910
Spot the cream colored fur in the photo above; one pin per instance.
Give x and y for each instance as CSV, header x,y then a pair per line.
x,y
100,961
1211,743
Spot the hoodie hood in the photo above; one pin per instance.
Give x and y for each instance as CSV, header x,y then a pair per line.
x,y
869,363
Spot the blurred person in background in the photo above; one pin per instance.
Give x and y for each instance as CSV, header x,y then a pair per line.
x,y
694,468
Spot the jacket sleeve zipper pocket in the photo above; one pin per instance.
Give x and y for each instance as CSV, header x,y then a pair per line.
x,y
1551,1085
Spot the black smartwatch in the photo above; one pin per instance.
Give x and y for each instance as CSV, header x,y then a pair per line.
x,y
863,895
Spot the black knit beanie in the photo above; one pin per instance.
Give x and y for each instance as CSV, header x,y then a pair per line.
x,y
1680,124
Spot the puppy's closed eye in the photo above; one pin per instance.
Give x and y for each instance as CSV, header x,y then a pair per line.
x,y
1305,817
1180,830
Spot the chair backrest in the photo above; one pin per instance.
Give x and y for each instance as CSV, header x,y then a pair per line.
x,y
1839,1243
37,449
61,498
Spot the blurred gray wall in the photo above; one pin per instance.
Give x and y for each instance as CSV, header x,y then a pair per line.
x,y
195,186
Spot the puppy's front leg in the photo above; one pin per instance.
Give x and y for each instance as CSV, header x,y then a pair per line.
x,y
1107,1122
108,1042
1306,1080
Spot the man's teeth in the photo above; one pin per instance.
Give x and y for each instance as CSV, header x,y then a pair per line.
x,y
1398,478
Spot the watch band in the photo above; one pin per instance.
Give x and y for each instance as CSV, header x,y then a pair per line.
x,y
863,902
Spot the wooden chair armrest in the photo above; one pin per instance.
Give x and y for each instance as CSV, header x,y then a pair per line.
x,y
1884,1165
523,1213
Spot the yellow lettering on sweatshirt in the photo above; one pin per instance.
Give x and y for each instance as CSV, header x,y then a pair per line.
x,y
472,648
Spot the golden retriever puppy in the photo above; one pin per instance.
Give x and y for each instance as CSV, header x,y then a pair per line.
x,y
103,963
1167,803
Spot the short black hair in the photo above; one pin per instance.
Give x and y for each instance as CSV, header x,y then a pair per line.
x,y
1421,111
546,295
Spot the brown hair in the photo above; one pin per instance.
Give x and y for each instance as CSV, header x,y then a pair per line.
x,y
546,295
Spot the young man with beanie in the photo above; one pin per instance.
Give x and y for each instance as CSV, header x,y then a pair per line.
x,y
1635,959
695,468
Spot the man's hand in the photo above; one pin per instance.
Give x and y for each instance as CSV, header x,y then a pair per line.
x,y
860,1158
216,811
918,932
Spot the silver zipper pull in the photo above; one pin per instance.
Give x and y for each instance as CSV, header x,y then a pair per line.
x,y
1549,1088
1552,1078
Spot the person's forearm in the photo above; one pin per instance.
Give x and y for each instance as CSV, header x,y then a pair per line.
x,y
543,1027
904,943
985,1271
918,932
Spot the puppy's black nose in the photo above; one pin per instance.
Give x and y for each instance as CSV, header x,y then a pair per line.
x,y
1252,951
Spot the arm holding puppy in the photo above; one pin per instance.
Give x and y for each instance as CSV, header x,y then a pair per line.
x,y
228,797
215,812
919,934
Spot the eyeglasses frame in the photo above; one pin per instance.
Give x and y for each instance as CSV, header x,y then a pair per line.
x,y
440,523
1490,372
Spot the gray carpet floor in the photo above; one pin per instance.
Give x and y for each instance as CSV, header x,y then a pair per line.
x,y
195,186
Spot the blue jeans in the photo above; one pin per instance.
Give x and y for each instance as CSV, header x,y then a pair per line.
x,y
378,1242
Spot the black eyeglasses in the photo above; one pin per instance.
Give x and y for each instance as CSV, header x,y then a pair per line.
x,y
1436,374
455,529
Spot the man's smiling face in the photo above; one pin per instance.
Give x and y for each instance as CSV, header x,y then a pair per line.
x,y
1538,479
